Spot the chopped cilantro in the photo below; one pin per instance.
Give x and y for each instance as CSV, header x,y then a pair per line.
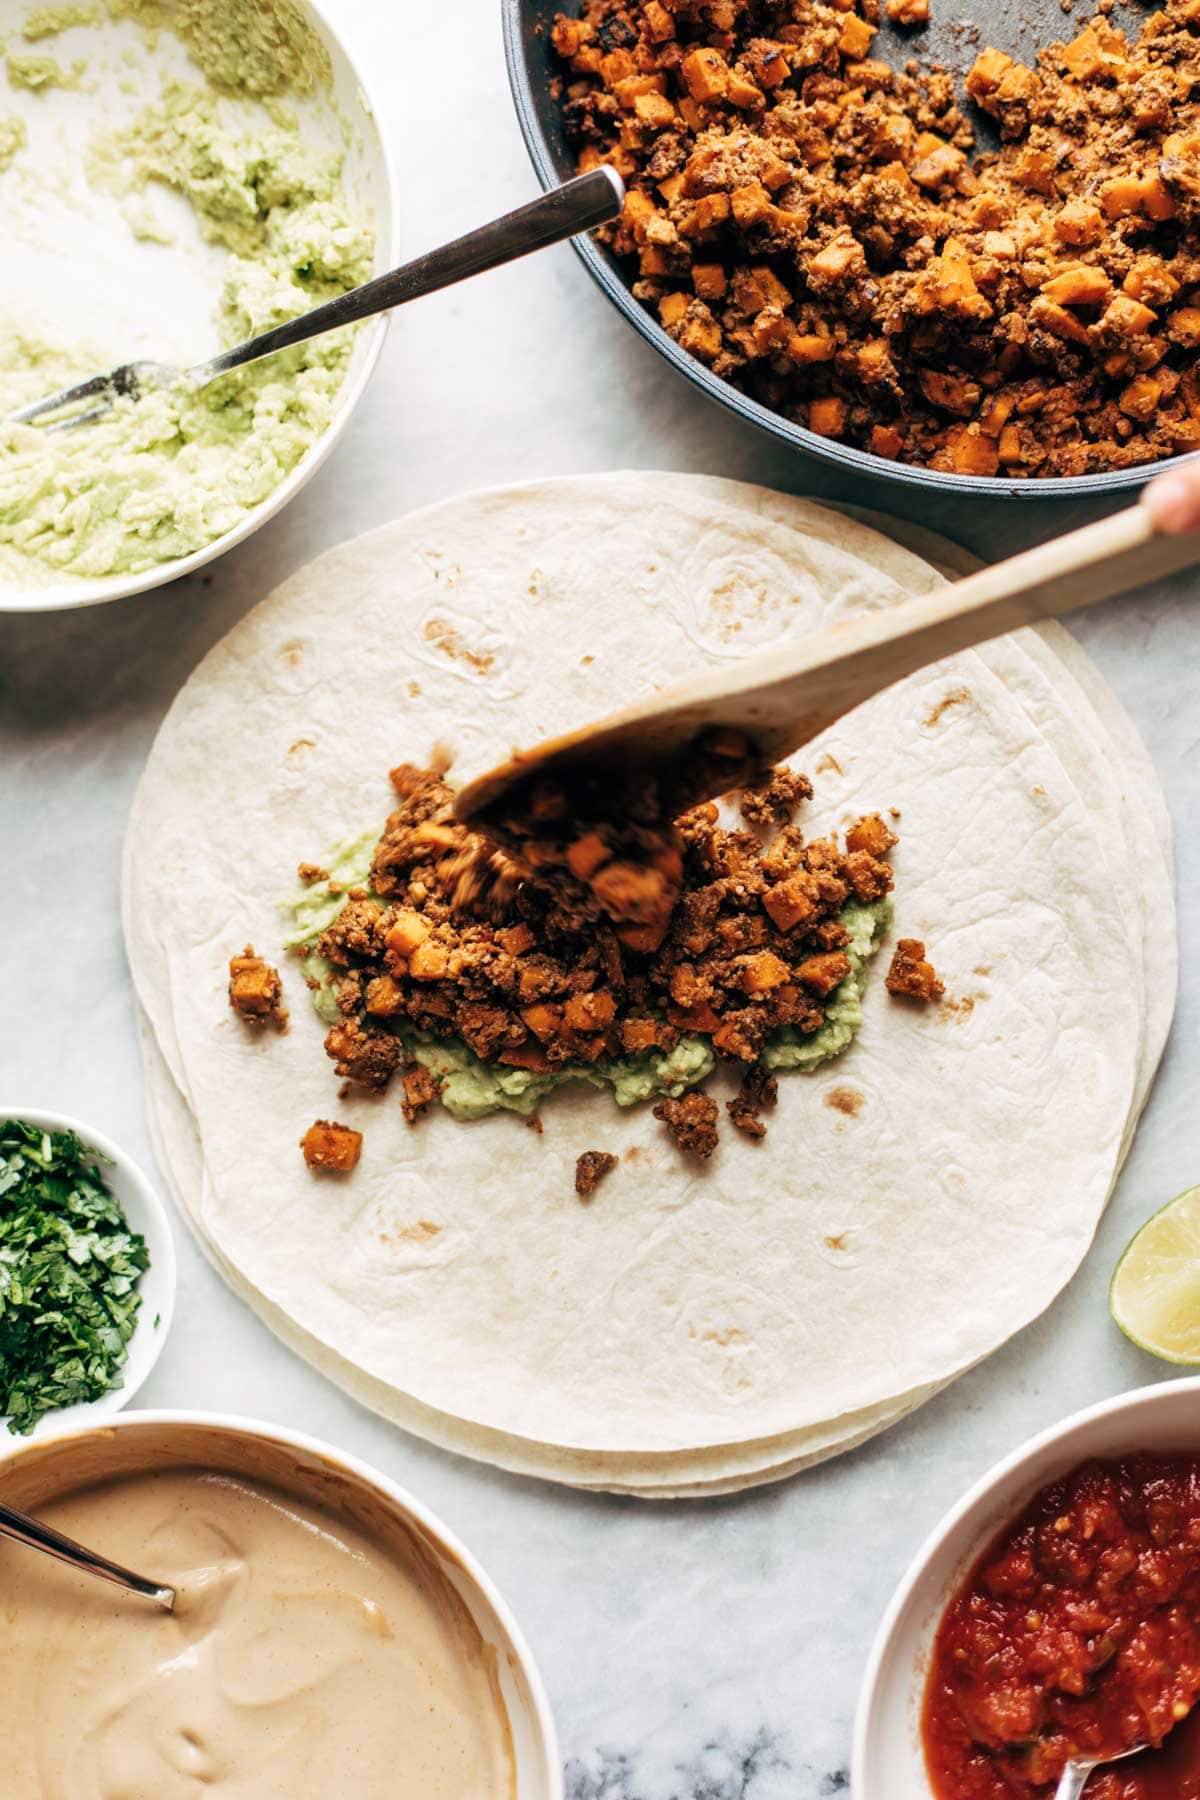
x,y
69,1274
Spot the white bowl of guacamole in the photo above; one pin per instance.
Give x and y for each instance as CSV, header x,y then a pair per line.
x,y
175,176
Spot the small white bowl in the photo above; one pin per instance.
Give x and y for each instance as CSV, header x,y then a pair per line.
x,y
888,1761
33,1472
87,270
146,1214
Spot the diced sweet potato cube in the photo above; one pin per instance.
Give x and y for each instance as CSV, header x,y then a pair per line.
x,y
643,937
810,347
590,1012
1150,281
743,92
760,973
940,164
544,1019
671,309
1078,223
640,1034
255,990
1058,321
971,451
1035,170
854,39
989,68
709,280
871,833
908,12
586,854
996,414
1127,315
636,213
694,1018
910,976
618,66
1183,326
655,110
659,22
384,996
709,211
516,939
407,930
1141,397
822,973
700,334
525,1056
635,87
827,416
332,1147
874,360
707,75
950,393
791,902
1009,447
567,37
653,261
843,256
432,836
428,962
768,63
1088,58
672,188
1145,194
750,203
886,441
1079,286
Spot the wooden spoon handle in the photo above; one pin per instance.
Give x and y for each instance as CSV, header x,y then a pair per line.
x,y
784,698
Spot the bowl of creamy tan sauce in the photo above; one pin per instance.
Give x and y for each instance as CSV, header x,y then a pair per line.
x,y
330,1638
175,177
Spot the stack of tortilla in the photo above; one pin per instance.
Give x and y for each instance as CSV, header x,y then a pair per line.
x,y
694,1329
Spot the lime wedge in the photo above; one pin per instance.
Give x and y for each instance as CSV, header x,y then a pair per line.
x,y
1155,1292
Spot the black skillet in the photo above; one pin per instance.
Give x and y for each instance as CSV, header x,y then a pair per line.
x,y
958,30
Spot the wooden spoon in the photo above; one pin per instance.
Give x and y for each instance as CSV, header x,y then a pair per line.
x,y
784,697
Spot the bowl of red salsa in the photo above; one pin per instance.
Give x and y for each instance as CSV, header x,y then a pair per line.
x,y
1054,1613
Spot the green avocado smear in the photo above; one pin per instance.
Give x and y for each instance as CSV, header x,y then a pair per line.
x,y
471,1089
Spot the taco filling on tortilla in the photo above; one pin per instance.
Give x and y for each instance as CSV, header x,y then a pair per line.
x,y
612,947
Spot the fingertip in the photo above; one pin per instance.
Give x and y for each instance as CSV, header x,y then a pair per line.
x,y
1173,500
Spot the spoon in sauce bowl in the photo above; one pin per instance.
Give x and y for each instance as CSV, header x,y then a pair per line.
x,y
1160,1774
24,1530
1079,1771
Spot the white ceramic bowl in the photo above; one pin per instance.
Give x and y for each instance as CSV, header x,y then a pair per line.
x,y
72,266
146,1214
888,1763
139,1439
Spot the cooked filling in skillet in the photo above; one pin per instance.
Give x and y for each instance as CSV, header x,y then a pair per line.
x,y
1077,1634
614,948
812,225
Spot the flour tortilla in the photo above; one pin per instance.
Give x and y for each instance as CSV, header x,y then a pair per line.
x,y
1083,742
709,1309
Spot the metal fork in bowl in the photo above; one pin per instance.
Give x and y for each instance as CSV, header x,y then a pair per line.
x,y
578,205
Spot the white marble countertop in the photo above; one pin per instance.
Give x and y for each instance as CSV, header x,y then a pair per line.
x,y
692,1652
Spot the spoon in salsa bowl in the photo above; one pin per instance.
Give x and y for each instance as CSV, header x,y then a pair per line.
x,y
38,1536
1170,1771
1079,1771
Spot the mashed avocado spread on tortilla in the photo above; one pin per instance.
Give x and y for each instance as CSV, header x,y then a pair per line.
x,y
162,477
471,1089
